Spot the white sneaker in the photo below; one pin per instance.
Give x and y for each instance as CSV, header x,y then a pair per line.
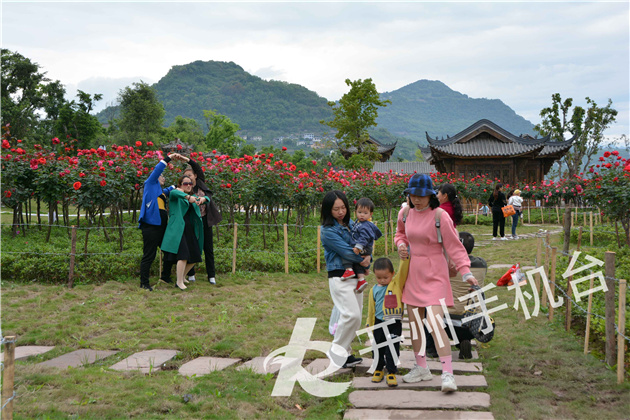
x,y
191,278
212,280
448,382
494,238
515,237
503,238
417,374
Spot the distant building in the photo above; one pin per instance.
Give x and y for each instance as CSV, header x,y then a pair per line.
x,y
385,150
257,138
404,167
486,148
308,136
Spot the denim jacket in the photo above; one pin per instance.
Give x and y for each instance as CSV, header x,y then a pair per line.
x,y
336,240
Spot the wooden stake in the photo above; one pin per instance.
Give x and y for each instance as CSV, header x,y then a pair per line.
x,y
476,214
609,259
558,214
319,248
591,226
543,301
286,249
587,333
529,216
8,376
542,216
234,248
621,323
554,256
385,237
579,242
73,247
584,224
538,261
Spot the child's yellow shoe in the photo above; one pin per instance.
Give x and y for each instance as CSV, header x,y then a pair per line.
x,y
391,380
378,376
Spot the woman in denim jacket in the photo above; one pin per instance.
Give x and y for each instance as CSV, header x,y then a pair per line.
x,y
336,239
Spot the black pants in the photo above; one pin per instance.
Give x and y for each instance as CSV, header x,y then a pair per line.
x,y
385,357
208,251
152,238
498,221
462,334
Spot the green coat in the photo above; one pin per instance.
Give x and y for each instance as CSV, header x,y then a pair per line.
x,y
178,206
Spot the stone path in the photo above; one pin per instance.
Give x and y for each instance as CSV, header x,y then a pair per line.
x,y
24,352
370,400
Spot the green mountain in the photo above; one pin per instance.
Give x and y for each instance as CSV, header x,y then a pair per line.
x,y
431,106
260,107
274,108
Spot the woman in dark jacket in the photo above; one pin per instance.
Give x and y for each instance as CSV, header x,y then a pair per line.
x,y
201,190
495,202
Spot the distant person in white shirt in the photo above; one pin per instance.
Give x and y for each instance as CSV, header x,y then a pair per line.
x,y
517,202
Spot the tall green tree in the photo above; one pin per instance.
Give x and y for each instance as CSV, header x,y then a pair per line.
x,y
74,120
21,91
222,133
187,130
357,111
141,113
587,126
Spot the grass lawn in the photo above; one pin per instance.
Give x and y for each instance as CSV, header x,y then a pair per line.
x,y
534,368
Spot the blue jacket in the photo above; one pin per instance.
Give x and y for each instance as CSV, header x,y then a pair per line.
x,y
150,212
336,240
364,234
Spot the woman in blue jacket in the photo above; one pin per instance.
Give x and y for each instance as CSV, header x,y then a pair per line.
x,y
153,220
336,239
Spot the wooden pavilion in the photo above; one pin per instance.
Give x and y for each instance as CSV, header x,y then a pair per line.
x,y
486,148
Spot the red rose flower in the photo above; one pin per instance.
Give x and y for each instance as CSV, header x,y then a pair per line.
x,y
7,194
149,143
76,185
81,174
55,140
138,143
103,183
179,147
606,154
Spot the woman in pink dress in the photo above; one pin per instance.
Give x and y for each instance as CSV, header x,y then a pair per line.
x,y
428,278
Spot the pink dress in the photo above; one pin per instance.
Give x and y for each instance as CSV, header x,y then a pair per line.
x,y
428,279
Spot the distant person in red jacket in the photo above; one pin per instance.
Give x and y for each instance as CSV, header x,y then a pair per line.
x,y
447,196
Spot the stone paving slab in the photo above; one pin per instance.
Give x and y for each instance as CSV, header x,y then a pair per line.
x,y
408,360
462,381
24,352
146,361
319,365
256,365
362,414
77,358
408,399
454,353
205,365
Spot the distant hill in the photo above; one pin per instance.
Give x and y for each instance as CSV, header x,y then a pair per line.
x,y
274,108
431,106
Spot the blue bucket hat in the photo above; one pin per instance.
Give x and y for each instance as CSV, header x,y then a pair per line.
x,y
420,185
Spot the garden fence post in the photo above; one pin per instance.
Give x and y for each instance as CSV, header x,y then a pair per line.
x,y
391,229
529,215
73,250
385,235
542,216
591,225
286,249
554,256
558,214
621,323
234,248
8,376
579,241
609,259
476,214
587,332
319,249
547,272
538,261
584,223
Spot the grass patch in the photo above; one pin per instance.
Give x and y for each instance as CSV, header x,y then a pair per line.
x,y
250,314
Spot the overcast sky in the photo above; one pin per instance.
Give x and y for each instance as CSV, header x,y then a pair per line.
x,y
520,53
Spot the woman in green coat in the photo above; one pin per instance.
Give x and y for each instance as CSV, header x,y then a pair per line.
x,y
183,239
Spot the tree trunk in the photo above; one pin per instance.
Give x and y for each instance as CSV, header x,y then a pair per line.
x,y
39,217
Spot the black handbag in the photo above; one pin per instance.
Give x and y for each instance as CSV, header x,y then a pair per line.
x,y
213,214
478,324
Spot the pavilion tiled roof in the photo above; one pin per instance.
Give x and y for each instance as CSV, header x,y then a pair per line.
x,y
404,167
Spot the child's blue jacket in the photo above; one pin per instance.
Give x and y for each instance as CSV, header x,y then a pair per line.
x,y
336,241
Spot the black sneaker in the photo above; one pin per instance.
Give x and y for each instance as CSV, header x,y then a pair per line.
x,y
167,280
465,350
352,361
146,287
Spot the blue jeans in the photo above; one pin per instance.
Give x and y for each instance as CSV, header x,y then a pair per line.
x,y
515,218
